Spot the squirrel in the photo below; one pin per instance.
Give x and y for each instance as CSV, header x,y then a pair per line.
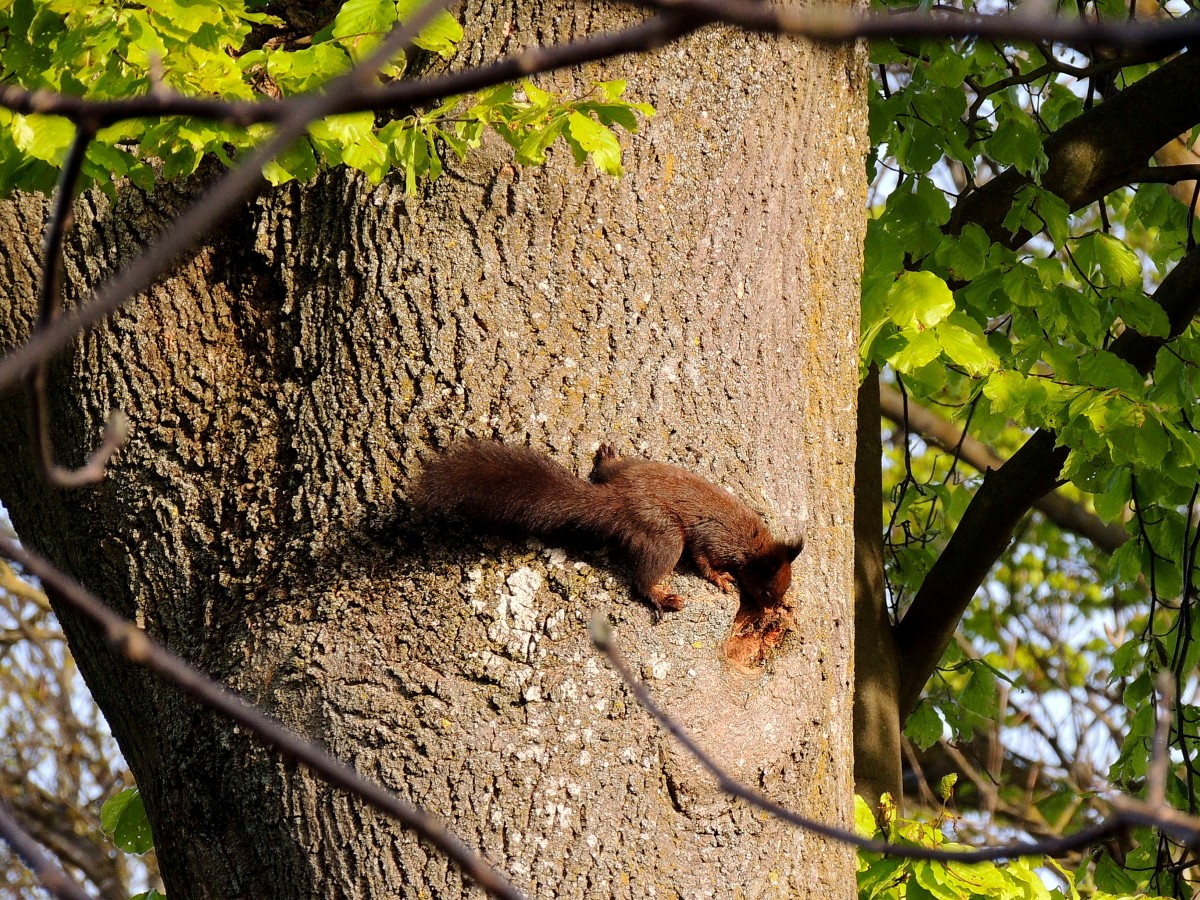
x,y
653,511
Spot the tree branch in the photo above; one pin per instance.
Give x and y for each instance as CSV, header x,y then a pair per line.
x,y
1099,151
52,826
1126,810
839,24
1003,499
1064,513
52,878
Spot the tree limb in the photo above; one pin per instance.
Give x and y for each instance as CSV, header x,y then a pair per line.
x,y
877,736
53,879
138,647
54,827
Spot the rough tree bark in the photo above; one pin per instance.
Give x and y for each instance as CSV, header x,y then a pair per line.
x,y
287,382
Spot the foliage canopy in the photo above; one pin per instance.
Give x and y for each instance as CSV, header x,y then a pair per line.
x,y
229,49
1015,327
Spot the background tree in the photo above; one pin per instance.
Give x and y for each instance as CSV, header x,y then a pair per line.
x,y
59,760
1032,275
285,383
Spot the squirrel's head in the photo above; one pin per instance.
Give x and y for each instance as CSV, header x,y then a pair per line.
x,y
765,579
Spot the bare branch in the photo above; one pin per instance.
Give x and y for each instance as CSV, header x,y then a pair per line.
x,y
52,878
60,830
825,23
603,639
840,24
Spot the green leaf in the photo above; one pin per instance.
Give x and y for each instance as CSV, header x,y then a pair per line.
x,y
918,349
441,36
964,255
1142,314
597,141
536,95
298,162
361,24
924,726
1112,503
306,70
1111,877
43,137
1054,212
1023,286
368,156
410,151
864,818
979,696
1017,142
532,150
1106,370
1118,264
919,147
965,344
333,134
949,70
919,299
1152,443
123,819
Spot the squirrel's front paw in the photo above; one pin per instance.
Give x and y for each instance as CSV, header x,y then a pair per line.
x,y
723,580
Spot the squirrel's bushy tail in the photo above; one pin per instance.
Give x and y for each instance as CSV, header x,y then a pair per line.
x,y
503,485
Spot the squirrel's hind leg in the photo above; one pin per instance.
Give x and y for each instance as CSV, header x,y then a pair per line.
x,y
655,556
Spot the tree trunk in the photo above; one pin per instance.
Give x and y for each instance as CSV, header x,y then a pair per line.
x,y
878,726
286,384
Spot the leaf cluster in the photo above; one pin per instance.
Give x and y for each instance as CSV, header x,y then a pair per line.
x,y
886,878
100,50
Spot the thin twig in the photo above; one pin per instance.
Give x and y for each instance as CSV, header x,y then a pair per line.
x,y
138,647
49,307
1131,811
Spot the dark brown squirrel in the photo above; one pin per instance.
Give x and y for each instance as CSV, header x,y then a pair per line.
x,y
651,510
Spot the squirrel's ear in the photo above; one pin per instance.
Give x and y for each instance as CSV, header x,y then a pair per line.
x,y
791,549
